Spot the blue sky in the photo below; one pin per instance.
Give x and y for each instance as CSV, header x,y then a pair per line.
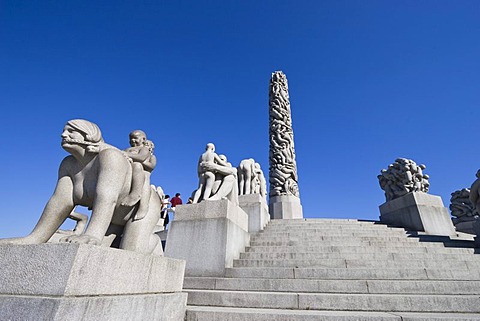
x,y
369,81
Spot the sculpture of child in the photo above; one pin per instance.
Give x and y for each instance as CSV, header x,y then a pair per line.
x,y
143,163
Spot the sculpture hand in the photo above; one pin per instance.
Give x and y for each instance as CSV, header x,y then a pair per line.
x,y
81,239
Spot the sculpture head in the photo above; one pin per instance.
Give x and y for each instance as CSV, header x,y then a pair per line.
x,y
80,132
210,146
137,138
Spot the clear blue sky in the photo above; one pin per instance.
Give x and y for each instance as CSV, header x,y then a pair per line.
x,y
370,81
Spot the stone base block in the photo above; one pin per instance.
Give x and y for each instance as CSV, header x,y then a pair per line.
x,y
61,281
285,207
418,212
257,210
464,224
208,235
161,307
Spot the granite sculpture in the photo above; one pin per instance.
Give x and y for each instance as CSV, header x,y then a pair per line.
x,y
475,193
407,203
251,179
284,193
98,176
283,167
462,210
402,177
217,178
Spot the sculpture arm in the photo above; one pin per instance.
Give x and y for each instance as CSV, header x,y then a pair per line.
x,y
141,156
224,170
150,163
58,207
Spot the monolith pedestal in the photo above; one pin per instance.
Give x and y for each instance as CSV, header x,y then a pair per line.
x,y
58,282
418,211
208,235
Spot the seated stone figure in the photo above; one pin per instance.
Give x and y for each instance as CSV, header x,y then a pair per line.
x,y
225,185
206,178
98,176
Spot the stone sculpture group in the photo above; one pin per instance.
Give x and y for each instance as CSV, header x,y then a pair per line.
x,y
283,167
402,177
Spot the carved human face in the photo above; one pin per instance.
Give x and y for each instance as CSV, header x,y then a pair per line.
x,y
137,139
71,136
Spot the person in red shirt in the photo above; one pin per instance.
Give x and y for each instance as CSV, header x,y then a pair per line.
x,y
176,200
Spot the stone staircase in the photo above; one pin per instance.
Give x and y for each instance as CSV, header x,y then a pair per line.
x,y
326,269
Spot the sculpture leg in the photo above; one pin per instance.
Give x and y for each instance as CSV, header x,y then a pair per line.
x,y
138,234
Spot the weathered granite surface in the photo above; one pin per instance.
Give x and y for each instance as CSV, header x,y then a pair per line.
x,y
60,281
208,235
257,210
418,212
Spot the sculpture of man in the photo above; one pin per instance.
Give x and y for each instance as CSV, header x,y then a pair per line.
x,y
205,176
261,178
98,176
225,185
246,173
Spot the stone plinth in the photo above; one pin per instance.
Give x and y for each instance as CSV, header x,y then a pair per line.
x,y
464,224
285,207
86,282
257,210
418,211
208,235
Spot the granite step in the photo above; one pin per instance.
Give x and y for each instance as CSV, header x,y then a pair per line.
x,y
335,286
346,242
337,302
335,263
318,248
392,273
358,256
215,313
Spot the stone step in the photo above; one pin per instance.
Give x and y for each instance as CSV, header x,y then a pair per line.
x,y
346,242
336,302
280,228
355,249
320,238
323,221
335,286
319,235
380,264
215,313
358,256
392,273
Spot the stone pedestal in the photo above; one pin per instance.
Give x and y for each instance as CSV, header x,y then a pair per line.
x,y
285,207
418,212
464,224
208,235
257,210
86,282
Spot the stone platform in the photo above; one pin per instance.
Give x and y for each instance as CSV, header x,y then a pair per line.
x,y
86,282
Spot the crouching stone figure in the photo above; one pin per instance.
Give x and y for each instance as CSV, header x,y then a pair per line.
x,y
98,176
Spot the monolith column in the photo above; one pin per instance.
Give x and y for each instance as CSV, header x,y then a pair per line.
x,y
284,196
